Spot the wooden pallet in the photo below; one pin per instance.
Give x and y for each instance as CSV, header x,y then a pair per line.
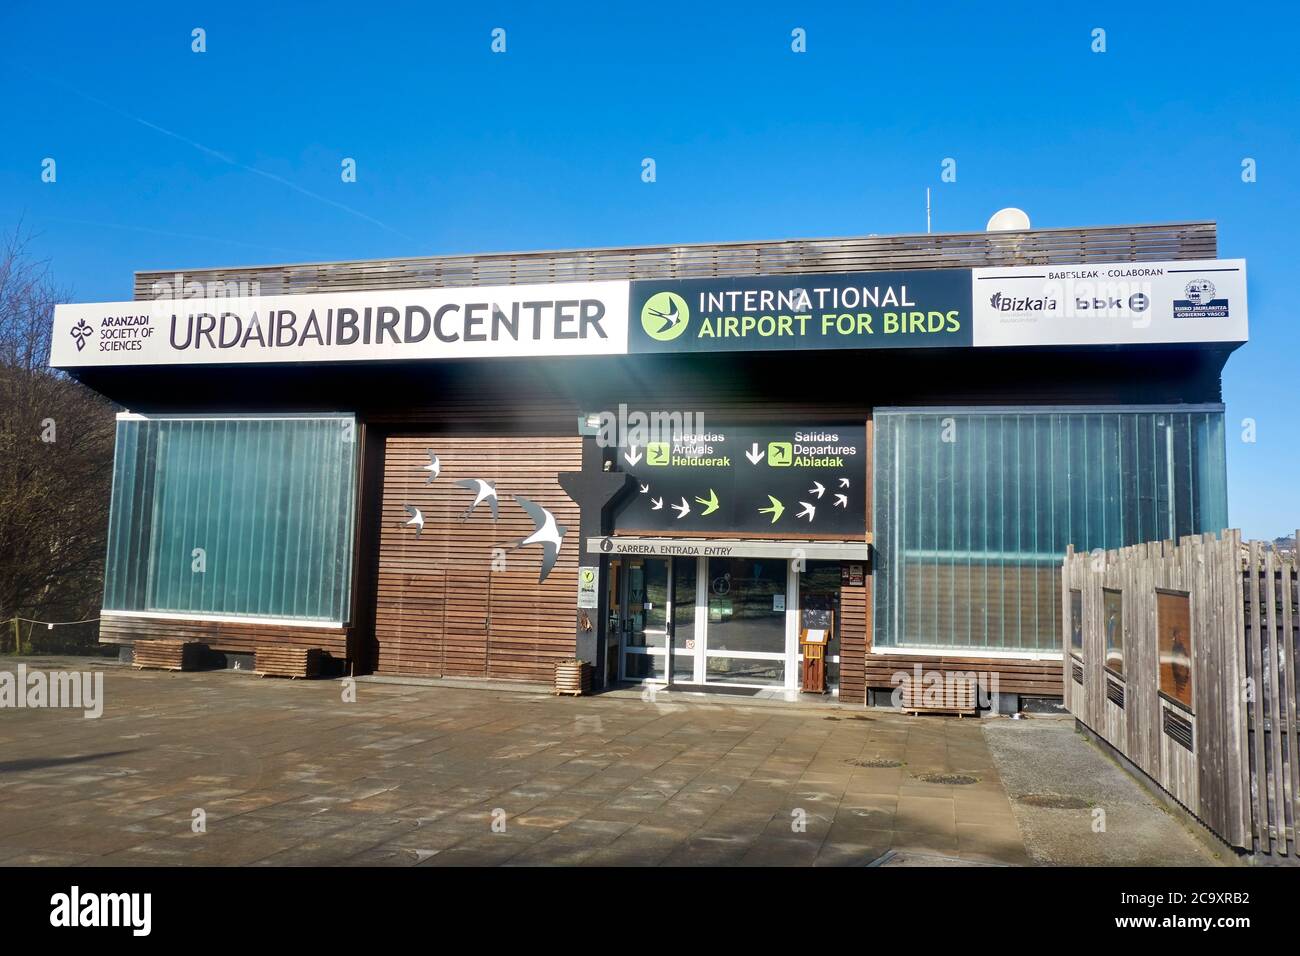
x,y
572,678
166,655
956,697
279,660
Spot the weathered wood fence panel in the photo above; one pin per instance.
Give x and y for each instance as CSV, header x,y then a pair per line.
x,y
1184,658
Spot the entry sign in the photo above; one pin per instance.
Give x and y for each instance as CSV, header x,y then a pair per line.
x,y
778,480
587,581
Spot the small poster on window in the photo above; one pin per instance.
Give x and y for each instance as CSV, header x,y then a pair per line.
x,y
1112,620
1174,634
1076,621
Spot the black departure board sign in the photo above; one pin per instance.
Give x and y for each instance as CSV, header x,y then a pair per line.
x,y
723,480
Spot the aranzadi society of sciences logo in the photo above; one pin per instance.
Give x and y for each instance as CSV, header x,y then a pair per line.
x,y
665,316
1200,302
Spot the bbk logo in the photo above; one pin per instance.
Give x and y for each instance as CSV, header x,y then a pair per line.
x,y
1137,302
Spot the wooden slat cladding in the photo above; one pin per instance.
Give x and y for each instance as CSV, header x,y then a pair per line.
x,y
441,609
233,637
1186,240
855,611
1032,678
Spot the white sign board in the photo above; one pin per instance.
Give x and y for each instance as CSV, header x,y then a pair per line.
x,y
1126,303
573,318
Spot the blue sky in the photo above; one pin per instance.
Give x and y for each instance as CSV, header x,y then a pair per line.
x,y
168,158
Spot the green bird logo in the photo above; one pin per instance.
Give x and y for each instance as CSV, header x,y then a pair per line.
x,y
665,316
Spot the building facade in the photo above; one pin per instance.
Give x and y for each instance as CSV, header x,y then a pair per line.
x,y
667,461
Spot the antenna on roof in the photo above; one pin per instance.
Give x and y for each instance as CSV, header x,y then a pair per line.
x,y
1010,219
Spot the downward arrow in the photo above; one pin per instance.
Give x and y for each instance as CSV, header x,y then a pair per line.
x,y
817,489
656,504
632,455
841,501
808,511
754,455
682,509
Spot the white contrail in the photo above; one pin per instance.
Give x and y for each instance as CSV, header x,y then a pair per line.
x,y
229,160
181,235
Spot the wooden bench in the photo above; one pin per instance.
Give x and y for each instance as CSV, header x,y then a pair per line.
x,y
281,660
166,655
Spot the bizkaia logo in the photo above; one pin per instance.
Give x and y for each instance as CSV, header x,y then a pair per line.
x,y
1011,303
665,316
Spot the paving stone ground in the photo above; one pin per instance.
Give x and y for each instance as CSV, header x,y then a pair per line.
x,y
287,773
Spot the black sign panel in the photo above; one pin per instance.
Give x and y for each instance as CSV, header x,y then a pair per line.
x,y
779,480
923,308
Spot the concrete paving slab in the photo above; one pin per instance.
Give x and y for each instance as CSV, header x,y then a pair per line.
x,y
290,775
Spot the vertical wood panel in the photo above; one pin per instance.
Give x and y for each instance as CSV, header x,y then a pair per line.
x,y
445,606
1240,775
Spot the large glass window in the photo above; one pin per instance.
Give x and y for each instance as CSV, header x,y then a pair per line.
x,y
232,516
974,509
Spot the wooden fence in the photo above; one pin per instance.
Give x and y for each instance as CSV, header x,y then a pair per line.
x,y
1184,658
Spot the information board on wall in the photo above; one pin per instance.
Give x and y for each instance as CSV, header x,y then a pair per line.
x,y
1058,305
721,480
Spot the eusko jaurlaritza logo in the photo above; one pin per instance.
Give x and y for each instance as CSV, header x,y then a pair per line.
x,y
1200,302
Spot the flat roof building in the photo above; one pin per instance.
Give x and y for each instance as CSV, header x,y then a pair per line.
x,y
666,461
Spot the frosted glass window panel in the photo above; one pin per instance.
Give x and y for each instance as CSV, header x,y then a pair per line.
x,y
242,517
974,507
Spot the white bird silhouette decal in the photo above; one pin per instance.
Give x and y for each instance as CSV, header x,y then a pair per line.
x,y
844,482
545,532
682,509
644,489
657,504
434,467
417,519
841,501
671,317
817,489
484,491
808,511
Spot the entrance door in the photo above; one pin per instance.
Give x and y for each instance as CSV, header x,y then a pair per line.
x,y
657,620
645,620
748,633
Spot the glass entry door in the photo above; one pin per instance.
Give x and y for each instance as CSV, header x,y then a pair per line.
x,y
657,620
646,587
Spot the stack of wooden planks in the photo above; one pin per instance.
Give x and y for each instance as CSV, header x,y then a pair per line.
x,y
286,660
955,695
572,677
166,655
